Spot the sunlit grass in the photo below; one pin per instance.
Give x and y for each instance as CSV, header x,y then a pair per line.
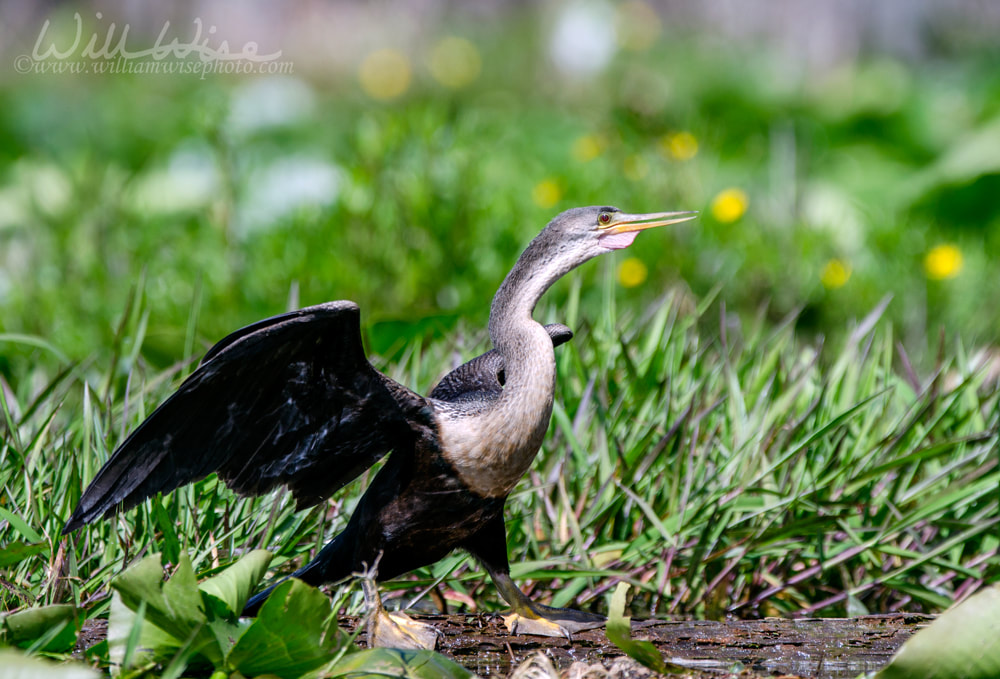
x,y
708,447
740,472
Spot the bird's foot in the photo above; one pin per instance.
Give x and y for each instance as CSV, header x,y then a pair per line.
x,y
546,621
539,627
396,629
527,617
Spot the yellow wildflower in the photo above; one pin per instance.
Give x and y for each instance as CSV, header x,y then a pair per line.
x,y
679,146
546,193
455,62
385,74
730,205
943,261
835,274
632,272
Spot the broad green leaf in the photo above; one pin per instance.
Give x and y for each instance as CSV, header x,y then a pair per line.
x,y
295,631
175,606
964,643
25,628
226,627
619,631
235,584
18,551
375,663
15,665
977,154
136,640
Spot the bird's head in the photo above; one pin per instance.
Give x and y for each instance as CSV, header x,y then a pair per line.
x,y
590,231
568,241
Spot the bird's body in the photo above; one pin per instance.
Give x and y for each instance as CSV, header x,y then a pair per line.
x,y
293,401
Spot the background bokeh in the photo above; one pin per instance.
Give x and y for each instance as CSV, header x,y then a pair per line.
x,y
785,407
401,155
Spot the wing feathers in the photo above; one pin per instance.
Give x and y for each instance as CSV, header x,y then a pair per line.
x,y
483,376
289,400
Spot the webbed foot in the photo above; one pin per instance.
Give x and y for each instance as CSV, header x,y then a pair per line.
x,y
396,629
546,621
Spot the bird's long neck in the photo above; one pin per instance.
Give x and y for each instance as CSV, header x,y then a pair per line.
x,y
511,431
529,360
493,449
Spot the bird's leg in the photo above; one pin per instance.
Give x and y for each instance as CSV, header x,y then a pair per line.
x,y
528,617
396,629
489,546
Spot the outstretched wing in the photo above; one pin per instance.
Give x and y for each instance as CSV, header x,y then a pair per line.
x,y
483,377
289,400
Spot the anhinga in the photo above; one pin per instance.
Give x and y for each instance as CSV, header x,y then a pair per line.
x,y
292,400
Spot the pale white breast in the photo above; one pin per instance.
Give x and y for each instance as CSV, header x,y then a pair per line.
x,y
492,449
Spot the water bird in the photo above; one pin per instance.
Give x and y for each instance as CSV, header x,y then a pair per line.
x,y
293,401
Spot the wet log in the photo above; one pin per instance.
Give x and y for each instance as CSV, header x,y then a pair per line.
x,y
824,648
827,648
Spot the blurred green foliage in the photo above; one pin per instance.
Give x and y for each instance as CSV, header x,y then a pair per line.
x,y
748,472
223,201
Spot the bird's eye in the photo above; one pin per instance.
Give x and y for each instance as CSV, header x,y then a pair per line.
x,y
604,218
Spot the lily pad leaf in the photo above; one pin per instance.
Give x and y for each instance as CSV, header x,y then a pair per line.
x,y
377,663
133,640
235,584
295,631
175,606
15,665
48,628
960,644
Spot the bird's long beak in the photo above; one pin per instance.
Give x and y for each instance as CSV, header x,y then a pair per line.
x,y
625,223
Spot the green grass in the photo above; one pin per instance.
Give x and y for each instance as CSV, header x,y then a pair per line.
x,y
435,193
728,438
744,472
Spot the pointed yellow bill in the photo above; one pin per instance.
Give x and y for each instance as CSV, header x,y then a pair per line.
x,y
622,228
622,222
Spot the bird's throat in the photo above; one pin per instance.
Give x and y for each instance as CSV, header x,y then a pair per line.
x,y
618,241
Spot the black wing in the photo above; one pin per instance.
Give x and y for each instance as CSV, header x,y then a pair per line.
x,y
289,400
483,376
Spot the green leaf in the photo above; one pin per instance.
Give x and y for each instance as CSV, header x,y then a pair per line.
x,y
234,585
619,631
175,606
15,665
20,525
169,542
375,663
55,625
961,644
33,341
295,631
975,155
133,640
18,551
